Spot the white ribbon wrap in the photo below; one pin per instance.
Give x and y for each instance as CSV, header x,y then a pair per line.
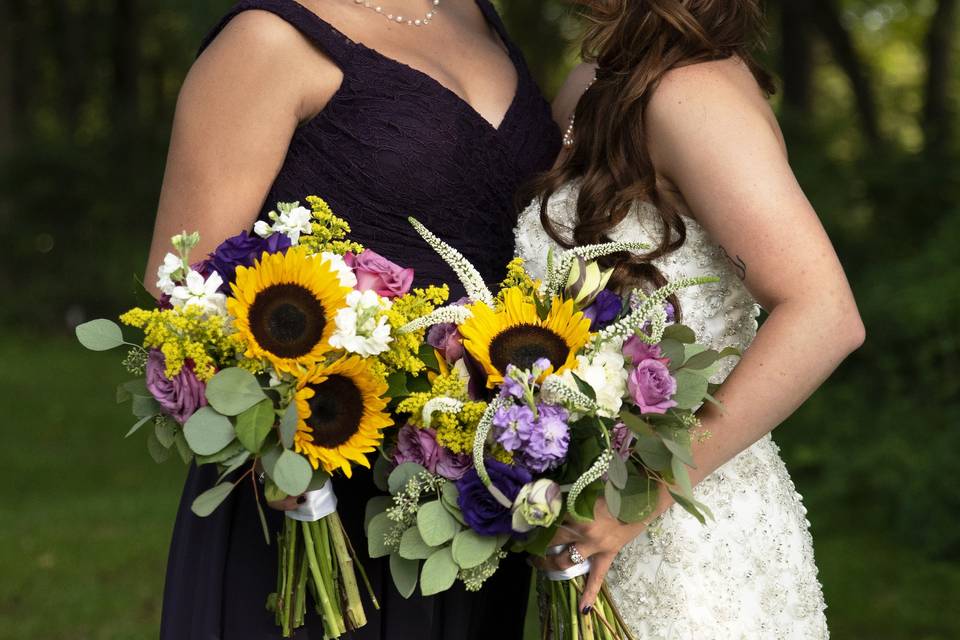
x,y
319,504
575,571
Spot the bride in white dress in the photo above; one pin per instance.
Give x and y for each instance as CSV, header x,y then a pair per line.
x,y
673,144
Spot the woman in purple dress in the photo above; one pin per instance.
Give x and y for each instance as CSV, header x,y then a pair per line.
x,y
415,107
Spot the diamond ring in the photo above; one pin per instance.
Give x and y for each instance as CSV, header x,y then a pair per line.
x,y
574,554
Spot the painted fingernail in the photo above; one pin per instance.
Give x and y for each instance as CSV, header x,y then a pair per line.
x,y
301,499
587,609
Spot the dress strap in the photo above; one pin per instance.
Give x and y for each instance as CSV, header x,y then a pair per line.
x,y
493,18
320,32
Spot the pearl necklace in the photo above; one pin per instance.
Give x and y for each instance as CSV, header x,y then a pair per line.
x,y
399,19
568,134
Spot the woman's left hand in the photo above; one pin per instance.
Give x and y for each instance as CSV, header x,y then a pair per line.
x,y
599,541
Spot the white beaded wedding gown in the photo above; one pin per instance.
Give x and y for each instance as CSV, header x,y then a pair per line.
x,y
749,572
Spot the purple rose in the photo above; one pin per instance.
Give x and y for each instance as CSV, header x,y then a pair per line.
x,y
241,251
181,396
621,440
638,351
481,511
375,272
452,466
417,445
604,310
652,386
446,338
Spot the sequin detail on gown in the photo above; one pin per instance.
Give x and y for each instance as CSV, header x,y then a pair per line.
x,y
750,573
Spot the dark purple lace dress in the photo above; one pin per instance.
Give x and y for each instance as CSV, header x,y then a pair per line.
x,y
392,142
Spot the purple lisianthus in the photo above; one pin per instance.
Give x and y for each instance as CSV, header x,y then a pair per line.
x,y
374,272
446,338
240,251
180,396
513,426
549,439
638,351
417,445
604,310
452,466
652,386
481,511
621,440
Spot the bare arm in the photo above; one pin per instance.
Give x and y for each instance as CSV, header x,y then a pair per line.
x,y
236,113
714,138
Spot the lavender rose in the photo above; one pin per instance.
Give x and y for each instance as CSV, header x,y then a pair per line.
x,y
452,466
621,440
417,445
652,386
604,310
181,396
480,509
240,251
638,351
446,338
379,274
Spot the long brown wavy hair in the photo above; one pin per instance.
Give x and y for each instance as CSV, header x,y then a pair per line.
x,y
634,43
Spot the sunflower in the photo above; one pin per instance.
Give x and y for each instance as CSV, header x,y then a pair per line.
x,y
284,307
341,412
516,335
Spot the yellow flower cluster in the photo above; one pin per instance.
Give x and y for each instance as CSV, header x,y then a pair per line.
x,y
455,431
329,232
183,334
517,277
404,350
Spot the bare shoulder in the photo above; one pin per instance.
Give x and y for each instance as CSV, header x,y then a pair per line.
x,y
569,94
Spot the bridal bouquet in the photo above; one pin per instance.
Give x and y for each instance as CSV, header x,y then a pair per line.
x,y
542,398
270,358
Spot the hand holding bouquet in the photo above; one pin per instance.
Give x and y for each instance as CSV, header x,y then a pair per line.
x,y
541,399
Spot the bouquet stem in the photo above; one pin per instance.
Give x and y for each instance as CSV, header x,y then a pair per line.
x,y
562,620
317,556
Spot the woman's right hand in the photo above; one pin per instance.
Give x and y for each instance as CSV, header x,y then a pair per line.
x,y
290,503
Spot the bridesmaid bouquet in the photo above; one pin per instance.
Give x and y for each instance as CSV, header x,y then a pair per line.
x,y
541,399
270,358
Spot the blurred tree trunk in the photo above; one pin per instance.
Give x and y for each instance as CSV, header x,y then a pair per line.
x,y
940,40
69,27
15,70
6,79
796,56
125,55
826,16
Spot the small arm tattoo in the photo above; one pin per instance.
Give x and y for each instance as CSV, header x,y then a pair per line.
x,y
738,264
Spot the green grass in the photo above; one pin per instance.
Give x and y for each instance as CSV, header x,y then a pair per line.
x,y
86,518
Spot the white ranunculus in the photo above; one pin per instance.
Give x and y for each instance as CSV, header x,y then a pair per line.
x,y
197,292
606,373
347,277
171,265
361,328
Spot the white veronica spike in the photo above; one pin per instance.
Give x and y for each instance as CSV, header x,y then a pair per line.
x,y
472,282
559,266
456,314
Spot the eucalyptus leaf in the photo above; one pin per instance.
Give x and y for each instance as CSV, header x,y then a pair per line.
x,y
470,549
100,334
636,423
254,424
691,389
136,427
223,455
617,472
232,391
233,464
400,476
269,459
319,479
208,432
381,471
439,572
436,524
682,478
377,530
680,333
681,451
292,473
207,502
584,508
144,406
131,388
638,499
288,425
272,492
404,574
673,350
653,452
166,431
450,495
375,505
412,546
612,495
183,448
702,360
157,451
689,506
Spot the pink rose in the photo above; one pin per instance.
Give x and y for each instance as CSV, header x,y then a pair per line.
x,y
446,338
652,386
638,351
375,272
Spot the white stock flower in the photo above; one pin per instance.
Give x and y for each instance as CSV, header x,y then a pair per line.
x,y
606,373
361,328
197,292
290,223
347,277
171,265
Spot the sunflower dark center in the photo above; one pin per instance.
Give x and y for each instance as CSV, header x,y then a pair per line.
x,y
524,344
336,410
287,320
